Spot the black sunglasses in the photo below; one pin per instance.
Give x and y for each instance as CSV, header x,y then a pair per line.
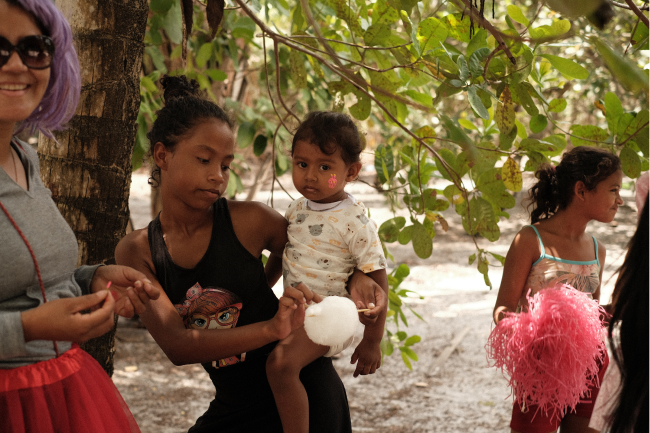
x,y
35,51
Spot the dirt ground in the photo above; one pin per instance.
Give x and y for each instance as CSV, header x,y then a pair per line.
x,y
457,394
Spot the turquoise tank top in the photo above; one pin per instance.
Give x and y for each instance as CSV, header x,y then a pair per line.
x,y
548,271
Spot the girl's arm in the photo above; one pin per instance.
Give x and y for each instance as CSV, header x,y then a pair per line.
x,y
189,346
523,252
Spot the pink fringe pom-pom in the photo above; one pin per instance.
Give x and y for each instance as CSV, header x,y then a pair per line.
x,y
550,353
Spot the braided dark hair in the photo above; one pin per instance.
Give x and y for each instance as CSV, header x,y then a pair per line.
x,y
554,189
330,131
184,109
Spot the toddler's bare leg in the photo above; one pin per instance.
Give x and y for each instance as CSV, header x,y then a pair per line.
x,y
283,372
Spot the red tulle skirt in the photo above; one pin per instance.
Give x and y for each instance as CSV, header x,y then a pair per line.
x,y
71,393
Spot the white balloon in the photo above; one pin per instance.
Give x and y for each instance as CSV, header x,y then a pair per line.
x,y
332,321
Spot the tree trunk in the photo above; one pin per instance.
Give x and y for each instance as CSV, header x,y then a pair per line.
x,y
89,171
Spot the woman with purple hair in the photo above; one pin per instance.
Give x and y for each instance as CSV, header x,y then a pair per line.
x,y
47,383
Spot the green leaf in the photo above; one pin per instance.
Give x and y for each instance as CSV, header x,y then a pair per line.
x,y
476,103
458,136
386,347
630,162
402,271
463,68
623,69
384,13
148,84
590,132
377,34
481,218
361,110
500,258
567,67
504,114
467,124
613,111
506,140
491,184
511,175
476,61
640,37
297,68
389,230
535,160
406,360
259,145
471,259
245,134
204,54
172,23
216,74
422,241
245,28
384,158
409,352
522,96
431,33
414,339
479,41
515,13
422,98
458,28
557,105
161,6
405,235
538,123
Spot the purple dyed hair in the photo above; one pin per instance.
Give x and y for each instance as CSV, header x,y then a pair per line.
x,y
62,95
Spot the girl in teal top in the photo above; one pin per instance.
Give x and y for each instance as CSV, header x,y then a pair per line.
x,y
556,249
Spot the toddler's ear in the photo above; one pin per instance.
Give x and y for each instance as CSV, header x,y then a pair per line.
x,y
353,171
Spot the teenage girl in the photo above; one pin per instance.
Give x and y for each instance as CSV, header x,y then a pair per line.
x,y
204,252
555,249
329,236
47,383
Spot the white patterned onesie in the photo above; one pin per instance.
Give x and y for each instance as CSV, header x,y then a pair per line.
x,y
325,246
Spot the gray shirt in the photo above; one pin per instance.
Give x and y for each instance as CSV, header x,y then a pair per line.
x,y
56,251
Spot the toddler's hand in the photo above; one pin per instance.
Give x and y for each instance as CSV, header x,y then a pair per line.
x,y
367,355
367,294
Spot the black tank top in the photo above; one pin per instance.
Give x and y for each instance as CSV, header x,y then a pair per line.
x,y
228,282
228,288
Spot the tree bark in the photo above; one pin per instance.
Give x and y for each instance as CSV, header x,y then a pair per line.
x,y
89,170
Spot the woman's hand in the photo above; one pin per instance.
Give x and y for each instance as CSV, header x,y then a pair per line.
x,y
291,309
366,293
62,320
131,289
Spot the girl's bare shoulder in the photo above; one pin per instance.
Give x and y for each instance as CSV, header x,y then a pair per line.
x,y
525,243
254,213
132,246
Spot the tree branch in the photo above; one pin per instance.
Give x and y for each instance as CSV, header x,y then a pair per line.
x,y
638,13
624,6
277,79
466,4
